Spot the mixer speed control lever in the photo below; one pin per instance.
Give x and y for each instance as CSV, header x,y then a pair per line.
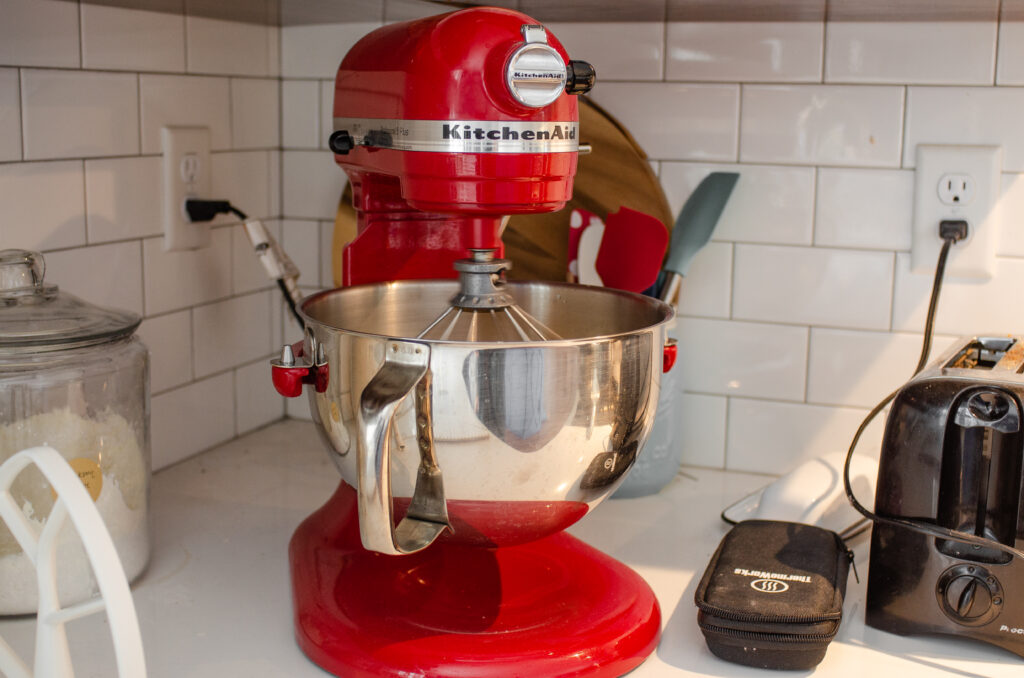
x,y
580,77
341,142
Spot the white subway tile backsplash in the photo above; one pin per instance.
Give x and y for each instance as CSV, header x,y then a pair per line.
x,y
191,419
248,274
966,115
298,408
1010,62
39,33
43,205
626,50
177,280
967,306
819,124
315,51
274,177
231,333
744,51
169,340
123,198
770,437
300,107
326,112
707,288
274,53
858,368
255,113
312,184
126,39
74,114
813,286
702,434
768,205
326,254
228,47
258,404
10,115
738,358
243,178
920,52
301,240
105,275
183,100
868,208
673,121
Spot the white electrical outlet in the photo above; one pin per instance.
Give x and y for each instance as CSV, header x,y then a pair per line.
x,y
186,174
957,182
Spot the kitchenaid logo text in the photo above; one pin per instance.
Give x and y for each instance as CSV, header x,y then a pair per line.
x,y
777,576
538,75
463,136
506,133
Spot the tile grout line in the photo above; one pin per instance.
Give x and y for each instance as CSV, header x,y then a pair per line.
x,y
138,106
999,32
21,113
664,43
824,45
81,37
184,32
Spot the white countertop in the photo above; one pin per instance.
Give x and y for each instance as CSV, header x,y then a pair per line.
x,y
216,599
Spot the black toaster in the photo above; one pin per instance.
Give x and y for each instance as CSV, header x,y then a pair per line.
x,y
952,457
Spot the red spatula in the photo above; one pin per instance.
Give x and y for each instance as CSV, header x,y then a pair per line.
x,y
632,250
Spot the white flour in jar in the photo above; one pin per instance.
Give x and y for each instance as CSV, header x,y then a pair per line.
x,y
122,504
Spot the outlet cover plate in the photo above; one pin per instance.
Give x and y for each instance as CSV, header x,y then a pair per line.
x,y
186,174
975,256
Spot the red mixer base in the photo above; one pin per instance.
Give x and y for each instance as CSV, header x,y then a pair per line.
x,y
553,607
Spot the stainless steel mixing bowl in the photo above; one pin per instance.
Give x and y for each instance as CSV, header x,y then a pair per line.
x,y
497,443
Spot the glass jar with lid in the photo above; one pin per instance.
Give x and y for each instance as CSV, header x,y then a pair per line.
x,y
75,377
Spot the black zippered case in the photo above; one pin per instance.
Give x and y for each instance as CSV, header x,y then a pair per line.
x,y
772,595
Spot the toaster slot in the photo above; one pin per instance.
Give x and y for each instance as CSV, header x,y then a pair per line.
x,y
981,482
986,353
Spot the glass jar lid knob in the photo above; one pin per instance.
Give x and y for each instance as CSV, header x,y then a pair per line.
x,y
21,274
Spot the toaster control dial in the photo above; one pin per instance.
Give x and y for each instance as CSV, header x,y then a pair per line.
x,y
969,595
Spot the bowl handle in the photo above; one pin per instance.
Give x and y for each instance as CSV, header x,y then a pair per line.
x,y
404,371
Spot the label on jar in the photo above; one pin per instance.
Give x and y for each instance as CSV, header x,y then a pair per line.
x,y
89,473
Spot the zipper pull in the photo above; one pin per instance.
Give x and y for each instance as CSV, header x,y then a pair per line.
x,y
853,564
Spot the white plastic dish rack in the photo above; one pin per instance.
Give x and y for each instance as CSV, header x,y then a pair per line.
x,y
52,653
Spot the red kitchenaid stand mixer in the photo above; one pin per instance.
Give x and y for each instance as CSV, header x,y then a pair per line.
x,y
444,126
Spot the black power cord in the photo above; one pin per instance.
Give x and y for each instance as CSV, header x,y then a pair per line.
x,y
205,210
950,232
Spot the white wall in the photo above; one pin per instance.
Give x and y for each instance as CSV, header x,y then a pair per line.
x,y
84,91
802,313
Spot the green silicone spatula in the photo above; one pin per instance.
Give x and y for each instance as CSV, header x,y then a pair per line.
x,y
694,226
